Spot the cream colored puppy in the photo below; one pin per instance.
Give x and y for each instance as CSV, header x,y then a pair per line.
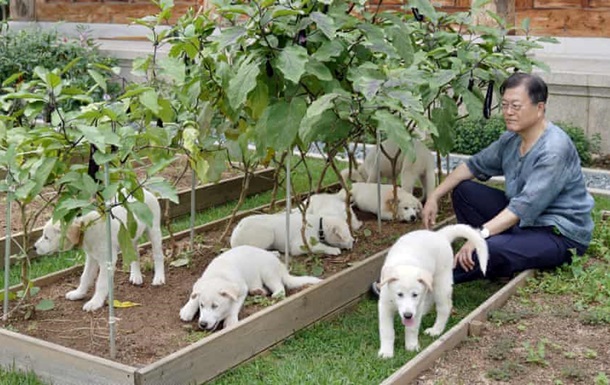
x,y
220,292
364,196
418,272
89,232
325,205
324,234
419,168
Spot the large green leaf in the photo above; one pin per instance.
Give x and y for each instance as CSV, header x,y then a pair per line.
x,y
329,50
395,129
318,70
325,24
402,44
229,37
244,82
150,100
314,112
444,117
291,62
127,249
162,188
279,125
173,68
141,211
45,304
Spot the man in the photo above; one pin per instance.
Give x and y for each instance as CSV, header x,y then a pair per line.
x,y
544,214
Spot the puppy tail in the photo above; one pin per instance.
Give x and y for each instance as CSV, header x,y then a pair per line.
x,y
473,235
295,282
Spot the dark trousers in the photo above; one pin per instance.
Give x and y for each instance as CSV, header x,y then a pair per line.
x,y
514,250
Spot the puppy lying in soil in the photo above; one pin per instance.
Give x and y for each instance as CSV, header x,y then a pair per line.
x,y
89,233
364,196
324,234
220,292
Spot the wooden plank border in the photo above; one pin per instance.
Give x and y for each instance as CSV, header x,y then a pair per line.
x,y
426,358
206,196
59,364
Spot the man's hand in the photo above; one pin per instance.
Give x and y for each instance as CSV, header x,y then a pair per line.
x,y
464,257
428,213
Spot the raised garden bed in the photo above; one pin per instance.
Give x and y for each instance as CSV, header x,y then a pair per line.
x,y
206,196
153,353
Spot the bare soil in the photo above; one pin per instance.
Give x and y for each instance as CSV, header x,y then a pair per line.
x,y
153,330
533,339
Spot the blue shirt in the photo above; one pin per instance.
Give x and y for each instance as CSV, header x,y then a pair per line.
x,y
546,186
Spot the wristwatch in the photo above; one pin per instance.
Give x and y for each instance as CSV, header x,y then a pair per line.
x,y
484,232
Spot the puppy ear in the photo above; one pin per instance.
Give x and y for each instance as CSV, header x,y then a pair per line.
x,y
387,276
73,234
231,292
426,279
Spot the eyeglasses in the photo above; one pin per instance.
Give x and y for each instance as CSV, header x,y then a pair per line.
x,y
515,107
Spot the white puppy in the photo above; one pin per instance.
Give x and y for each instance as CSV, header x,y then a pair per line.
x,y
324,234
89,232
220,292
332,205
410,169
418,272
365,195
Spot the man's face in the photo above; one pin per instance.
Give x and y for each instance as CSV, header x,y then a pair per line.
x,y
520,114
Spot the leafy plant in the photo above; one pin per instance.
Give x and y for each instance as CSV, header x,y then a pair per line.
x,y
585,146
536,354
21,52
473,135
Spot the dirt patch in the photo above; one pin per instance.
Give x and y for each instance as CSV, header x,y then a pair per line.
x,y
534,339
177,173
153,330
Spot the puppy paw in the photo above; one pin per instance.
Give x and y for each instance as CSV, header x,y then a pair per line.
x,y
75,295
433,332
93,304
333,251
385,353
259,291
412,346
136,278
158,280
186,315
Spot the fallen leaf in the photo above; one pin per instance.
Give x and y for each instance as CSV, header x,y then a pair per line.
x,y
125,304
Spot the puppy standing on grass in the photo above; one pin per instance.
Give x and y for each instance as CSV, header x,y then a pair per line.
x,y
222,288
89,232
418,272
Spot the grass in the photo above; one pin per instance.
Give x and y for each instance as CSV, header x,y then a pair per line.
x,y
343,350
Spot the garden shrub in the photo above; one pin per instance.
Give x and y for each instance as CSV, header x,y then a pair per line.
x,y
24,50
471,136
585,146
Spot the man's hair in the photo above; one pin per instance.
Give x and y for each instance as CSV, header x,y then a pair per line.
x,y
536,87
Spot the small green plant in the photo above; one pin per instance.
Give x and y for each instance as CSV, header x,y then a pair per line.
x,y
601,379
503,316
501,349
196,335
536,354
261,300
505,372
573,373
590,354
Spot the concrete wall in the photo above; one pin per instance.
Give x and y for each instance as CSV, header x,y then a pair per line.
x,y
579,84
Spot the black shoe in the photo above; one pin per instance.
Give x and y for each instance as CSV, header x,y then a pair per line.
x,y
375,289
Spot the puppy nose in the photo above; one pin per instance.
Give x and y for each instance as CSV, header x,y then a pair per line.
x,y
203,325
407,315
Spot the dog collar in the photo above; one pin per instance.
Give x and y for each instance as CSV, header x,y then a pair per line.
x,y
321,236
